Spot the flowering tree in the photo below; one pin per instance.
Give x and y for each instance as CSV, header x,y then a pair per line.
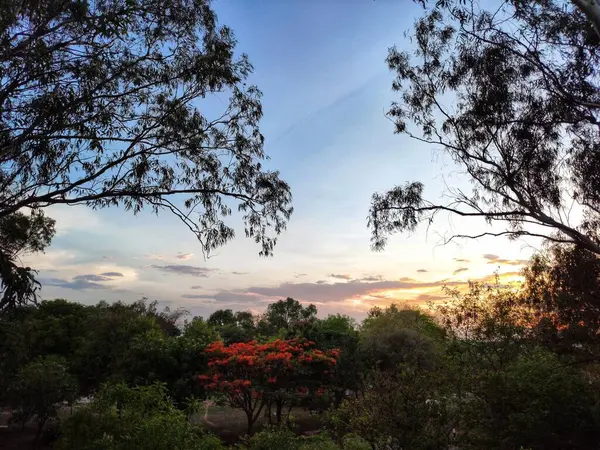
x,y
253,376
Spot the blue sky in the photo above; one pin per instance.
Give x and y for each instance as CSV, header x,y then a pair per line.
x,y
321,67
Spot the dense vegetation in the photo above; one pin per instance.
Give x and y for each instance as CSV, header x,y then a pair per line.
x,y
495,367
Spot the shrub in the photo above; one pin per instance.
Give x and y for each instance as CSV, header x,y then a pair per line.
x,y
141,418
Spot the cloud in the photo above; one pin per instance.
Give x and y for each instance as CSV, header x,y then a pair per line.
x,y
509,262
230,297
198,296
196,287
154,257
239,273
184,256
106,257
339,276
321,281
76,284
421,271
462,260
91,277
183,269
335,292
300,275
371,278
431,298
495,259
112,274
462,269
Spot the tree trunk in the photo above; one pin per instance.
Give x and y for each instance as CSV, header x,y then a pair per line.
x,y
338,398
38,433
250,419
270,412
279,405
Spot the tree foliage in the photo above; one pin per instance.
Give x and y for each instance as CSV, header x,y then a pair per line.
x,y
109,103
562,289
39,388
122,418
253,375
511,93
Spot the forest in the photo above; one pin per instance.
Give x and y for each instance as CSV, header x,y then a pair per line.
x,y
101,106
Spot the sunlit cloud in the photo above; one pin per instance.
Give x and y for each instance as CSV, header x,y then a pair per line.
x,y
339,276
461,270
154,257
184,256
490,257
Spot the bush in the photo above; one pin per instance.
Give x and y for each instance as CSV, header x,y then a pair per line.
x,y
39,388
141,418
277,438
354,442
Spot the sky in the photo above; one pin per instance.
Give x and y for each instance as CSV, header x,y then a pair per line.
x,y
326,88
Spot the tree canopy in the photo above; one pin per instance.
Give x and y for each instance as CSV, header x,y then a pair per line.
x,y
112,103
511,93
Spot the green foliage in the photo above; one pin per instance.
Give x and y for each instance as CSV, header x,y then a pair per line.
x,y
233,327
535,401
276,438
508,392
394,336
406,409
562,288
39,388
288,317
141,418
21,233
353,442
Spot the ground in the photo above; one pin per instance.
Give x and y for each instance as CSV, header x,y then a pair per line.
x,y
227,423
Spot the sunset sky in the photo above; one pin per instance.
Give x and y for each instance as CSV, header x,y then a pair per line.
x,y
321,67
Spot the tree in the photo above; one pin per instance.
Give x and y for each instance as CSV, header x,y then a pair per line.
x,y
508,392
105,346
20,234
511,94
562,289
121,418
340,332
233,327
400,336
39,388
288,315
251,375
100,105
399,410
590,8
221,317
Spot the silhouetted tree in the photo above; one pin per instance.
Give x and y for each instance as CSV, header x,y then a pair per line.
x,y
287,315
511,93
100,106
562,287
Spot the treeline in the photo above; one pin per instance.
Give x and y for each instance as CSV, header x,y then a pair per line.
x,y
495,368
